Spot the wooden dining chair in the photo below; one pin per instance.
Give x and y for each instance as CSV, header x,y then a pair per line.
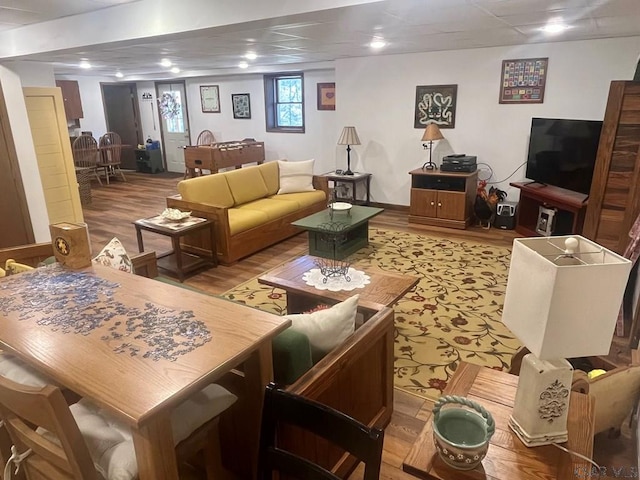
x,y
205,138
111,155
283,409
85,156
83,442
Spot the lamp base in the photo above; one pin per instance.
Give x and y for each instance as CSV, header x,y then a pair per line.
x,y
536,441
541,406
429,166
347,172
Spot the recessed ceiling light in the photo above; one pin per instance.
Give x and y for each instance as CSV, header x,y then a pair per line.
x,y
377,42
165,62
119,74
85,64
554,28
175,70
243,65
251,56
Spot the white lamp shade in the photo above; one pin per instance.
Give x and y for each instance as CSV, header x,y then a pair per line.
x,y
349,136
559,307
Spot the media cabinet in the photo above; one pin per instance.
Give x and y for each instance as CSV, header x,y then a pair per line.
x,y
571,208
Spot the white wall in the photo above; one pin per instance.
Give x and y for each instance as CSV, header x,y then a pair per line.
x,y
25,151
148,110
33,74
377,95
320,130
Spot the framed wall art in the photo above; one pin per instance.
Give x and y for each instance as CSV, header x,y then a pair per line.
x,y
210,98
326,96
435,103
523,80
241,105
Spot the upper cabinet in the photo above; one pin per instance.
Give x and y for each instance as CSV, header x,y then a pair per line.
x,y
71,96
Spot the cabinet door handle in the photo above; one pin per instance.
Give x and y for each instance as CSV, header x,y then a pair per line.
x,y
439,204
432,204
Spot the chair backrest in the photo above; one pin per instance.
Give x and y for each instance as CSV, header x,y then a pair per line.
x,y
111,148
23,407
283,409
85,151
205,138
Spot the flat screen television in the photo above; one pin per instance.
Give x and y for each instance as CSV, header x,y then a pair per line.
x,y
563,152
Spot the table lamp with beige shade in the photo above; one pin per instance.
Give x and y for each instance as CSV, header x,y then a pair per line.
x,y
431,134
562,301
349,137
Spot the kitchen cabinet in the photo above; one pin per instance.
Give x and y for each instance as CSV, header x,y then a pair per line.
x,y
71,97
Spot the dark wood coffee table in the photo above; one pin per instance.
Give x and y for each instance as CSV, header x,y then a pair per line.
x,y
176,261
384,289
508,458
351,225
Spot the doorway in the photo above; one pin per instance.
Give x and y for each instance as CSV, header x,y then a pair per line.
x,y
122,114
174,123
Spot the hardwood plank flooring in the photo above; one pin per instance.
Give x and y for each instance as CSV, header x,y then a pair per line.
x,y
116,206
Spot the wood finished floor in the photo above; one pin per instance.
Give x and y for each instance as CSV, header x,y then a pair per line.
x,y
116,206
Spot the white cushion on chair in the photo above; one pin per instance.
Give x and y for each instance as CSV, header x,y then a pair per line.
x,y
110,441
17,371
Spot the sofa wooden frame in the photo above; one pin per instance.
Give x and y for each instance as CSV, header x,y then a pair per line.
x,y
232,248
355,378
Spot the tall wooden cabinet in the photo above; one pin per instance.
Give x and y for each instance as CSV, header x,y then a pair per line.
x,y
442,199
614,200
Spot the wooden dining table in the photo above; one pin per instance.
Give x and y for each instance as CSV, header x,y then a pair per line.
x,y
137,347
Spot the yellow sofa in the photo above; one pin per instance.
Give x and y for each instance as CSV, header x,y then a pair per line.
x,y
249,214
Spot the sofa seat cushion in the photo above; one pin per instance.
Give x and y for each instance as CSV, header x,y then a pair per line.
x,y
208,190
241,219
303,199
271,176
246,185
272,208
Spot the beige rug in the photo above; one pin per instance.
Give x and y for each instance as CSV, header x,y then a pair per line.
x,y
453,314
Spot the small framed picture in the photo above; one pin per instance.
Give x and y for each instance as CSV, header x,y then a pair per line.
x,y
437,104
210,98
241,105
523,80
327,96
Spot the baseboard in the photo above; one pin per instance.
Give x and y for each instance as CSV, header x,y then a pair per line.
x,y
390,206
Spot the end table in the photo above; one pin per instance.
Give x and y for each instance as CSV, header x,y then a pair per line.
x,y
177,261
354,180
508,458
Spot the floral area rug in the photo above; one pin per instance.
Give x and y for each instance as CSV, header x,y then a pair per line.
x,y
453,314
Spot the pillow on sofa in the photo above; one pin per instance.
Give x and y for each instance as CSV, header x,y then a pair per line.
x,y
326,329
296,176
114,255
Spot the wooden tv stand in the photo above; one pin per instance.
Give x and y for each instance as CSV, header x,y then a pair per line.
x,y
571,207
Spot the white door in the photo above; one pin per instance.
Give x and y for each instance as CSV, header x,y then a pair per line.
x,y
174,123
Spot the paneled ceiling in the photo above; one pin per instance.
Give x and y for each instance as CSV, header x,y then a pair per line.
x,y
407,26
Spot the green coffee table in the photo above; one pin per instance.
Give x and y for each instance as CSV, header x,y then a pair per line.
x,y
340,235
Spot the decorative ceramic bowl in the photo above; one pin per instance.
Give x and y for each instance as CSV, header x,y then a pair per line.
x,y
174,214
461,436
341,206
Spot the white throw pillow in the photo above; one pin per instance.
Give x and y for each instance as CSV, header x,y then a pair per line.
x,y
326,329
296,176
114,255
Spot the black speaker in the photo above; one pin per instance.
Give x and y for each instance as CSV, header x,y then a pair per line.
x,y
505,216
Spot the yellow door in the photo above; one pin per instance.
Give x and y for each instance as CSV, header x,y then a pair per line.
x,y
45,108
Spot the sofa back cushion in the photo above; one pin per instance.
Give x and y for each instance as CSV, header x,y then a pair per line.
x,y
208,190
271,176
246,184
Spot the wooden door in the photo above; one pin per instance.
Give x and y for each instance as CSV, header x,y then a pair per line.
x,y
122,115
423,202
14,210
45,109
451,205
